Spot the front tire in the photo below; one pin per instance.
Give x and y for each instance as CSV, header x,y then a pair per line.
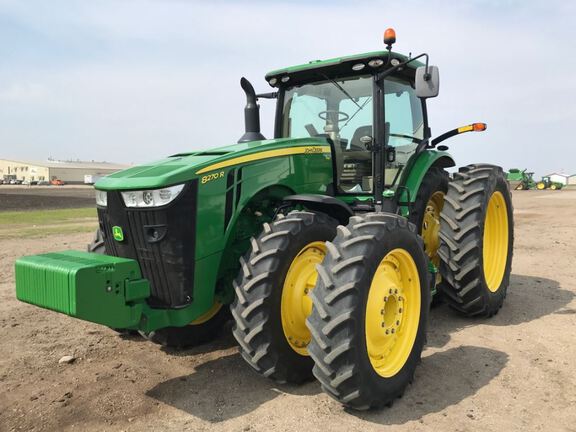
x,y
371,306
477,234
200,331
272,295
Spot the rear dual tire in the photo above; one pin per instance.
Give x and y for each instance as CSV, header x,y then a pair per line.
x,y
477,238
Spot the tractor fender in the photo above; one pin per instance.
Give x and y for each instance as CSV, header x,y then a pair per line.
x,y
424,161
322,203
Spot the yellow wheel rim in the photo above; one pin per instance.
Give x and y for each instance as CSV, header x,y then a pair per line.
x,y
431,229
296,305
540,186
495,252
553,187
393,312
208,315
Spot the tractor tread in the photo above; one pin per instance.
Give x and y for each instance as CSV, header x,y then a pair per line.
x,y
255,327
461,241
334,318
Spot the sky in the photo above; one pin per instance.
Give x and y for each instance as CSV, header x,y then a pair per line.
x,y
132,81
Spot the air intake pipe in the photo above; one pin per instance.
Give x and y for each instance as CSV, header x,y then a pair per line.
x,y
251,114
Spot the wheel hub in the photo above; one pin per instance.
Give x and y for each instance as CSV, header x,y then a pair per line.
x,y
392,312
296,304
495,241
431,229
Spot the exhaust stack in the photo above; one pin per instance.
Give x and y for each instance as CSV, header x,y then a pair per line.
x,y
251,114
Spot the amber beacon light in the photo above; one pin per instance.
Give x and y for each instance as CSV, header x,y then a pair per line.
x,y
389,36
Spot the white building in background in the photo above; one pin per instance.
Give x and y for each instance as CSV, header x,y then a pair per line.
x,y
558,178
73,172
572,179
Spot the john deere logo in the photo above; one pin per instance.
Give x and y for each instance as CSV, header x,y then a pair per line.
x,y
118,233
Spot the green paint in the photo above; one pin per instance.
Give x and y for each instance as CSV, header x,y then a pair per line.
x,y
318,64
98,288
414,176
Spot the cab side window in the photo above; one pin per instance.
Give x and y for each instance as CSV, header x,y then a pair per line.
x,y
404,117
403,112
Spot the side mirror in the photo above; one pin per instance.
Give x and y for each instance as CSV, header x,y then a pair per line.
x,y
427,88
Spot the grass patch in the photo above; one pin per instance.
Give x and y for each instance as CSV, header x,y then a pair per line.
x,y
45,217
44,223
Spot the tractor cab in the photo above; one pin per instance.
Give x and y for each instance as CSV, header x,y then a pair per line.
x,y
344,101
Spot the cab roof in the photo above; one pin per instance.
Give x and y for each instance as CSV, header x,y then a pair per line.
x,y
336,66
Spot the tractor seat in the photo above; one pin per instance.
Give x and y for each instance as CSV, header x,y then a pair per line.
x,y
355,143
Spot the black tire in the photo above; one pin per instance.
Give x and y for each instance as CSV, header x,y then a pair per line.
x,y
257,305
191,335
339,343
435,180
465,286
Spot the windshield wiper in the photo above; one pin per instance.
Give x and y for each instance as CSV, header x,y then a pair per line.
x,y
360,108
339,87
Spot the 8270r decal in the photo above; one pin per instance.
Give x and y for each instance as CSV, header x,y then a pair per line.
x,y
215,176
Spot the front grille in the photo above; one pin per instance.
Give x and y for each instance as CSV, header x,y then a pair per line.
x,y
161,240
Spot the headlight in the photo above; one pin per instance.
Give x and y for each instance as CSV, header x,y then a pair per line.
x,y
101,198
151,198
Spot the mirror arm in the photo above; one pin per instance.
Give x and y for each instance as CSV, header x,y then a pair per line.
x,y
271,95
393,69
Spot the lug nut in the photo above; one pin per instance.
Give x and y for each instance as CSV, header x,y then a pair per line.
x,y
392,330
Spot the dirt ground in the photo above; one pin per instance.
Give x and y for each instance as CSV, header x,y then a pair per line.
x,y
45,197
516,371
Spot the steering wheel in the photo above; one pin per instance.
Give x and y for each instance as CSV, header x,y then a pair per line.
x,y
342,116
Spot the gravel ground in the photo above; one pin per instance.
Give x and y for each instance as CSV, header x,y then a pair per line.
x,y
515,372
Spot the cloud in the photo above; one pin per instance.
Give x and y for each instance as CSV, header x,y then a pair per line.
x,y
137,80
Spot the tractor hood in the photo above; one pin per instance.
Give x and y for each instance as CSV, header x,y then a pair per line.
x,y
183,167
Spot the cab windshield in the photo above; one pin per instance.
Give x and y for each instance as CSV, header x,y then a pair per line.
x,y
342,111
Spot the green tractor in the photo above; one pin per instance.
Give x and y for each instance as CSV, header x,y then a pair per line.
x,y
547,183
326,243
521,179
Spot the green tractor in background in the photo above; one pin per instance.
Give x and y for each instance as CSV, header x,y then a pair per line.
x,y
520,179
328,241
547,183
